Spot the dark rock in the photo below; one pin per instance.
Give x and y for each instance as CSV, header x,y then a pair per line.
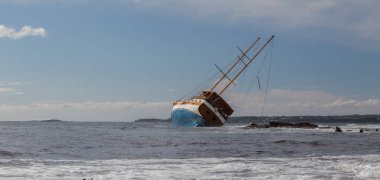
x,y
252,125
337,129
280,124
306,125
292,125
361,131
283,124
264,126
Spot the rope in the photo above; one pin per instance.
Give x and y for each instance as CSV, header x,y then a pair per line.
x,y
269,73
203,85
200,86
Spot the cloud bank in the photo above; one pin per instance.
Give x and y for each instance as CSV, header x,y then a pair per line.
x,y
5,90
85,111
315,18
346,20
290,102
25,31
280,102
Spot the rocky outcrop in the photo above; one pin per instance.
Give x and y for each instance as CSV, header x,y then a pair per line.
x,y
284,124
292,125
253,125
337,129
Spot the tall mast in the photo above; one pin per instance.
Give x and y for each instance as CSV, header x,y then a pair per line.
x,y
237,61
250,60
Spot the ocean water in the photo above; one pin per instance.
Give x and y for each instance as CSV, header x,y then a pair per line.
x,y
120,150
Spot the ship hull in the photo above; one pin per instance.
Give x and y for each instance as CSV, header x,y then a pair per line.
x,y
196,113
186,118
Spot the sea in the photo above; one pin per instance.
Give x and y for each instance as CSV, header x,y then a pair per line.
x,y
156,150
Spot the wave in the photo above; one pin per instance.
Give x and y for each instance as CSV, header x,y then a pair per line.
x,y
4,153
324,167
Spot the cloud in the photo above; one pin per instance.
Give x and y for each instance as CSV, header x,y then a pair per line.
x,y
14,83
87,105
9,91
279,102
314,18
25,31
25,2
295,12
86,111
290,102
328,19
10,83
6,90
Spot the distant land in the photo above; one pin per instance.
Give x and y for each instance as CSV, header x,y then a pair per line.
x,y
49,120
153,120
311,119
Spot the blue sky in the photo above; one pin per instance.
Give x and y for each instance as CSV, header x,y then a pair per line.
x,y
120,60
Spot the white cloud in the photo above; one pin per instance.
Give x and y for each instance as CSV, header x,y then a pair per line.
x,y
25,31
279,102
88,105
9,91
290,102
86,111
330,18
14,83
6,90
25,2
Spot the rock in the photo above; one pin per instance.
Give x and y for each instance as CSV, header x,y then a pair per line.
x,y
264,126
361,131
292,125
252,125
306,125
283,124
280,124
337,129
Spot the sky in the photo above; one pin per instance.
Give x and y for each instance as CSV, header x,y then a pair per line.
x,y
122,60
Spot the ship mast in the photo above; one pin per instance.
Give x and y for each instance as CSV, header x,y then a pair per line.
x,y
245,64
240,58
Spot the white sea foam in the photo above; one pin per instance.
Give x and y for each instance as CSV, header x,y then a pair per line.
x,y
325,167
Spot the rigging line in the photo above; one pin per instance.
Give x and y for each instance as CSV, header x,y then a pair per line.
x,y
269,73
224,68
234,65
262,64
204,84
249,62
201,85
269,50
256,78
258,81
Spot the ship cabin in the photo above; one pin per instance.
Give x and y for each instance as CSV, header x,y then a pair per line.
x,y
217,102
